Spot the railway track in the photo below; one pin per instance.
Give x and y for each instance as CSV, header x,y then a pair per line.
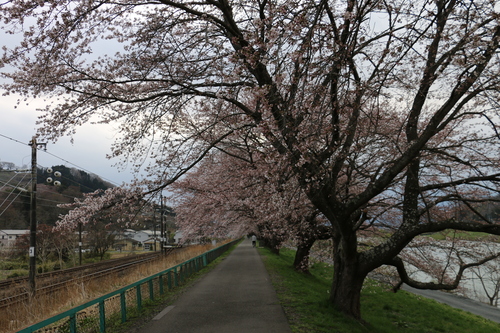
x,y
16,290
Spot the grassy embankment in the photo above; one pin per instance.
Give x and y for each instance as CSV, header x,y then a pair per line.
x,y
464,235
304,298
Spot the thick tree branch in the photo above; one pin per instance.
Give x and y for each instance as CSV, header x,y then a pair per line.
x,y
405,278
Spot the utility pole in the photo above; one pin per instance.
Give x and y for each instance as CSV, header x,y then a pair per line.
x,y
162,234
80,242
154,234
33,222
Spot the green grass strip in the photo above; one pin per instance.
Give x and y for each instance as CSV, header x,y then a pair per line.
x,y
304,299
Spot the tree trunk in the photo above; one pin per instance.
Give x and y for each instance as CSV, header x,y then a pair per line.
x,y
306,238
301,262
272,244
347,283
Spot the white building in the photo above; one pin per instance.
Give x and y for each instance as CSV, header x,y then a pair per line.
x,y
138,235
8,237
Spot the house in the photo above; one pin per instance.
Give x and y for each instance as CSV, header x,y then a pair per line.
x,y
152,244
127,244
137,235
8,237
178,237
146,238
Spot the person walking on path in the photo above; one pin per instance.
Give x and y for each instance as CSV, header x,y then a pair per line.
x,y
235,296
254,240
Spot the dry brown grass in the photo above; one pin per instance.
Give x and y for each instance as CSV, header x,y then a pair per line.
x,y
73,294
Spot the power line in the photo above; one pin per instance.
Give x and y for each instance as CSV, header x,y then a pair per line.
x,y
7,137
24,195
62,159
73,181
41,191
69,180
77,182
79,167
13,186
6,199
11,201
10,193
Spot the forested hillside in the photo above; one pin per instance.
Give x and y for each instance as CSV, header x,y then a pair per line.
x,y
15,193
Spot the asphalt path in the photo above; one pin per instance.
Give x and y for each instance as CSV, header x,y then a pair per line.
x,y
236,296
459,302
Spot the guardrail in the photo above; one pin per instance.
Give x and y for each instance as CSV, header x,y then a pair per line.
x,y
116,307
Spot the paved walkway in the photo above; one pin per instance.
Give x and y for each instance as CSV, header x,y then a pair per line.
x,y
236,296
459,302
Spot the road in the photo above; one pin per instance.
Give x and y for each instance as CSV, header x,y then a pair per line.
x,y
459,302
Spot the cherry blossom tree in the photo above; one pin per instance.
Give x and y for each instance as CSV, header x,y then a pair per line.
x,y
225,197
487,282
444,262
116,204
384,112
230,195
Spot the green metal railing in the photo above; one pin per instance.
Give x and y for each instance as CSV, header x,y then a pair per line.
x,y
116,307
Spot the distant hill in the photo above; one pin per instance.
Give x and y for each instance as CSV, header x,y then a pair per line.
x,y
73,177
15,195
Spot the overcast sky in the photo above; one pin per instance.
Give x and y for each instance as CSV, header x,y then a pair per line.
x,y
88,152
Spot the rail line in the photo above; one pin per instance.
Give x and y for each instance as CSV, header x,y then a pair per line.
x,y
16,290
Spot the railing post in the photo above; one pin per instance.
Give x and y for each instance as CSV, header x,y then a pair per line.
x,y
72,323
123,306
151,290
139,297
169,279
160,281
102,317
